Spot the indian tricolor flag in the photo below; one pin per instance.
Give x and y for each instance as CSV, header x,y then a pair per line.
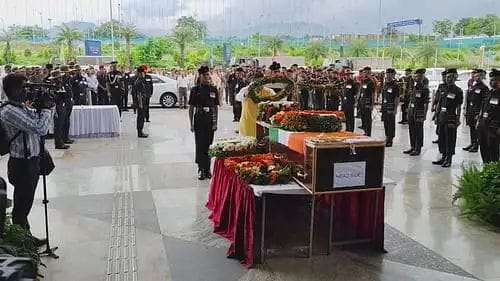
x,y
294,140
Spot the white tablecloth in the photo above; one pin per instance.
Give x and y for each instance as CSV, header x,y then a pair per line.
x,y
290,188
96,121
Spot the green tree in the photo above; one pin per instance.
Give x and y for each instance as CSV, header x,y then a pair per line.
x,y
68,36
153,51
28,32
274,44
103,31
7,37
490,25
128,33
426,51
315,53
358,48
187,31
442,27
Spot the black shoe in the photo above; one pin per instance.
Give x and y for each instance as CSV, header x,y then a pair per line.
x,y
474,149
467,148
68,141
142,135
201,175
147,121
62,146
408,151
415,153
388,143
208,175
439,162
125,110
447,163
401,122
435,141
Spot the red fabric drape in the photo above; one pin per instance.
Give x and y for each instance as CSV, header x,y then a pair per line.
x,y
232,203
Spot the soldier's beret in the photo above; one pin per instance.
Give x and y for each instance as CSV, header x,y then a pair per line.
x,y
420,71
390,70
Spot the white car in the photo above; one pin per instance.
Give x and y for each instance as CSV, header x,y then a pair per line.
x,y
165,92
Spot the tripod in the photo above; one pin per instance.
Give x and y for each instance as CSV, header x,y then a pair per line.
x,y
49,252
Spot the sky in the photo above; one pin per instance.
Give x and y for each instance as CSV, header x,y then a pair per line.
x,y
339,16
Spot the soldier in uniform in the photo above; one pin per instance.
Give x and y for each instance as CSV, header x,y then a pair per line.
x,y
114,85
68,103
78,86
367,100
102,92
390,101
417,112
407,87
142,89
435,103
489,121
476,94
450,102
332,94
350,91
203,103
55,79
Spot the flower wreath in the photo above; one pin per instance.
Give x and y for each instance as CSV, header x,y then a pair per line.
x,y
254,91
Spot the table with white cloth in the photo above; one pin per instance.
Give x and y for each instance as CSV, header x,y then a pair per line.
x,y
96,121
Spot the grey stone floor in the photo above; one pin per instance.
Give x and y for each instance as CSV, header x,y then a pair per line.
x,y
426,239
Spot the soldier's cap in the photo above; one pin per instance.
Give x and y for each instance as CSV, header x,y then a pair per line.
x,y
71,63
420,71
478,70
203,69
54,74
113,62
367,68
295,65
64,68
451,71
444,72
494,73
49,66
275,66
408,70
390,70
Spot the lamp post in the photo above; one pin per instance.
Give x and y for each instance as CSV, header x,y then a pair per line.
x,y
379,23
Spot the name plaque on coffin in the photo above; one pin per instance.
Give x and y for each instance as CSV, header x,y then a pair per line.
x,y
348,174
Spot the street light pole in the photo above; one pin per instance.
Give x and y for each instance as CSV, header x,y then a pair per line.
x,y
379,23
112,29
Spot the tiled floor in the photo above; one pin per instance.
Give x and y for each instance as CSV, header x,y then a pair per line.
x,y
426,239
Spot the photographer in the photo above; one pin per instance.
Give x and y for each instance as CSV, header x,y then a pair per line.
x,y
24,128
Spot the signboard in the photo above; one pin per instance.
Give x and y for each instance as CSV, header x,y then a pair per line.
x,y
92,48
404,23
349,174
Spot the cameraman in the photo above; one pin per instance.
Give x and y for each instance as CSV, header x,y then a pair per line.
x,y
24,127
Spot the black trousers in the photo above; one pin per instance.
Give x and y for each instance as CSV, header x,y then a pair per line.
x,y
102,97
236,110
404,112
349,118
203,136
116,99
332,104
23,175
489,143
67,117
125,100
146,108
416,129
318,100
447,140
94,97
474,135
366,120
59,122
389,125
141,116
183,99
304,99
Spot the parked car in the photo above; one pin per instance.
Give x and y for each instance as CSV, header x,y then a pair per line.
x,y
165,92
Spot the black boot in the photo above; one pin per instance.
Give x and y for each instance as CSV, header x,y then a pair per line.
x,y
409,151
435,141
201,175
439,162
416,152
142,135
388,143
467,148
474,148
447,162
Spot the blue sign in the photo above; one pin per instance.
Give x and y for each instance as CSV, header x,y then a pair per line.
x,y
93,48
404,23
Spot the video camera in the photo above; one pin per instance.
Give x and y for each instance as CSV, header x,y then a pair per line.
x,y
42,95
